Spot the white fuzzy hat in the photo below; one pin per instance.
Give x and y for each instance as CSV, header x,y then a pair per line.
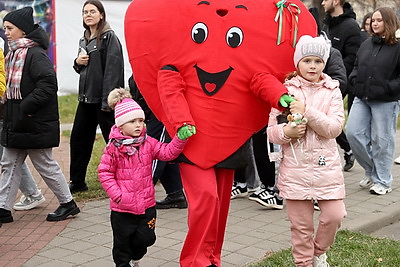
x,y
311,46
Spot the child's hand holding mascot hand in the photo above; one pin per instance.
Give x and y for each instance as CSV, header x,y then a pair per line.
x,y
186,131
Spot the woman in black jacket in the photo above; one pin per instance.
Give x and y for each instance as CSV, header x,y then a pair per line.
x,y
371,126
101,69
31,121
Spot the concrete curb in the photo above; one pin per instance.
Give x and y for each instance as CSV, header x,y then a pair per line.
x,y
371,222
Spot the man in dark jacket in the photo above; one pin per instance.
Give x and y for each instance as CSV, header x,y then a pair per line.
x,y
344,32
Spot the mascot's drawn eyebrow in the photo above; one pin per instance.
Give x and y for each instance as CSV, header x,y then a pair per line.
x,y
208,3
204,2
241,6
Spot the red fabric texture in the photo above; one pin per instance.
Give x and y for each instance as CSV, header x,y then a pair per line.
x,y
209,193
240,39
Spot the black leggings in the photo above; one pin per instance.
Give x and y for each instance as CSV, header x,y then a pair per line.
x,y
83,135
265,168
132,235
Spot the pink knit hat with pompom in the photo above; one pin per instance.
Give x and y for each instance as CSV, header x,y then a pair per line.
x,y
127,110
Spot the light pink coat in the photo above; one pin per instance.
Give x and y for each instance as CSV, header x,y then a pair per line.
x,y
325,114
127,179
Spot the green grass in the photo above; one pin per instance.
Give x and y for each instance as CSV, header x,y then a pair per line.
x,y
67,108
349,250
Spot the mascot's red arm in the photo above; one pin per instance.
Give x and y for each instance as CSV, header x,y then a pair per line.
x,y
171,88
261,85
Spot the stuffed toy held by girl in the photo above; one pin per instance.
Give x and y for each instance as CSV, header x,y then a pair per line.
x,y
296,119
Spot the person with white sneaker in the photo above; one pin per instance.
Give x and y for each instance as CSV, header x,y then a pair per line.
x,y
32,196
371,126
310,166
31,119
246,180
268,194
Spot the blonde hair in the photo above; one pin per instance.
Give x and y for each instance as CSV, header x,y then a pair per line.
x,y
291,75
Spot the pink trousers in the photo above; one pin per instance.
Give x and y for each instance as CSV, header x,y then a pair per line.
x,y
306,245
208,193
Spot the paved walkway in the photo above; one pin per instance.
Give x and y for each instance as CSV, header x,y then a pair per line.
x,y
252,231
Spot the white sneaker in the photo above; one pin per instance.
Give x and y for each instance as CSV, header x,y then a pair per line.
x,y
29,202
133,263
320,261
252,190
397,160
366,182
378,189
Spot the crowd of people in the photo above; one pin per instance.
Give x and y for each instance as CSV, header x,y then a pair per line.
x,y
346,62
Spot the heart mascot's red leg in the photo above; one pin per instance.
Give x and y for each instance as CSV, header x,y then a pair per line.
x,y
208,193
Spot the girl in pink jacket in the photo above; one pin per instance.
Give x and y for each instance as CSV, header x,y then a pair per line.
x,y
125,172
310,167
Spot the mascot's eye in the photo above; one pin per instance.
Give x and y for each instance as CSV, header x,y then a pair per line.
x,y
199,32
234,37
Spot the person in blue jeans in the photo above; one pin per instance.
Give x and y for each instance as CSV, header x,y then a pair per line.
x,y
371,126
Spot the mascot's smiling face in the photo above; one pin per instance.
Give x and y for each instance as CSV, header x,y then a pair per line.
x,y
217,46
211,83
214,39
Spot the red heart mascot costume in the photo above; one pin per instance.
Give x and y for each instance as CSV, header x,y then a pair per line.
x,y
217,65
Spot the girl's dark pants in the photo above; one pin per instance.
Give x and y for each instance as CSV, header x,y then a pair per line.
x,y
132,235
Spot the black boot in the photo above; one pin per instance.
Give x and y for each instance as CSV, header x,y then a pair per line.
x,y
5,216
174,200
73,188
63,211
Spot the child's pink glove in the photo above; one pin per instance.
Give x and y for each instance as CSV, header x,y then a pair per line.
x,y
186,131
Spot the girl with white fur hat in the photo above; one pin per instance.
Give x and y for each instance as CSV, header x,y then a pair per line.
x,y
310,167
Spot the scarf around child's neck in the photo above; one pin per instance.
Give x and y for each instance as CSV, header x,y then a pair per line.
x,y
130,145
15,61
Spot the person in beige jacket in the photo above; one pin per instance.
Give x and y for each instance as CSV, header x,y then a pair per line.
x,y
310,167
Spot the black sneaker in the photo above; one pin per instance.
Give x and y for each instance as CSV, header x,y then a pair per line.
x,y
269,201
262,192
316,206
5,216
175,200
349,162
238,191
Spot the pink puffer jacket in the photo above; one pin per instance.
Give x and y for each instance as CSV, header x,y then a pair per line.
x,y
312,168
127,179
